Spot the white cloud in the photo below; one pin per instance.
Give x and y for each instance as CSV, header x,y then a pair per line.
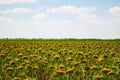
x,y
39,17
17,10
89,19
71,9
82,13
5,20
59,22
114,11
16,1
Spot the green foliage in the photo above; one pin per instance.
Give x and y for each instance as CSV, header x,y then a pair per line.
x,y
66,59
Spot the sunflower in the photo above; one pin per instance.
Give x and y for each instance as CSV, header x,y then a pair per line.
x,y
105,70
98,77
71,70
10,69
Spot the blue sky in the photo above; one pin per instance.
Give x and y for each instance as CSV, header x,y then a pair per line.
x,y
60,19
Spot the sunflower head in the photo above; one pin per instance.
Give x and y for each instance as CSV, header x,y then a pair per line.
x,y
76,63
71,70
9,68
59,72
111,73
105,70
69,59
16,78
98,77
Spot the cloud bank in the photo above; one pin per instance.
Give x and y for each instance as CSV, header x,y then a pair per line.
x,y
60,22
18,10
114,11
16,1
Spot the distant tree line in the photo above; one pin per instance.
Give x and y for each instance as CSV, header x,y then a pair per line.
x,y
55,39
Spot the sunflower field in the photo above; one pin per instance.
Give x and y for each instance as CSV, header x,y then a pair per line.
x,y
59,60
